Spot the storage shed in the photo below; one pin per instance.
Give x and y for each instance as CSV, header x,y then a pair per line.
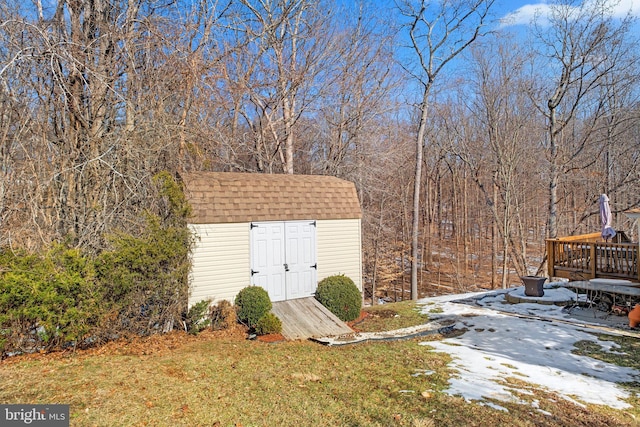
x,y
281,232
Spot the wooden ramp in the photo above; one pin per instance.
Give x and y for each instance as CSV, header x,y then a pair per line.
x,y
305,318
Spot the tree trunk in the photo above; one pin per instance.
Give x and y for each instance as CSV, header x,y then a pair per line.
x,y
415,224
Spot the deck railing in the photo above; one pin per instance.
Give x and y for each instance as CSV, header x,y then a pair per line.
x,y
588,256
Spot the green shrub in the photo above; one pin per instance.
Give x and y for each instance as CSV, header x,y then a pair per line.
x,y
197,317
268,324
222,315
252,303
341,296
46,300
143,279
139,284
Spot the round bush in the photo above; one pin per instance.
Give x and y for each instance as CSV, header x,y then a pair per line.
x,y
252,303
341,296
268,324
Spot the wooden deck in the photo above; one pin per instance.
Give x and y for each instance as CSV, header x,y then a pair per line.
x,y
587,257
606,292
306,318
629,289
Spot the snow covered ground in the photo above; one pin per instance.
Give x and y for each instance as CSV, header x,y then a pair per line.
x,y
524,341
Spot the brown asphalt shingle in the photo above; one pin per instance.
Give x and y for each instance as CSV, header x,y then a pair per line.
x,y
233,197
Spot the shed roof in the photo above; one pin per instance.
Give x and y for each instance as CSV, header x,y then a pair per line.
x,y
233,197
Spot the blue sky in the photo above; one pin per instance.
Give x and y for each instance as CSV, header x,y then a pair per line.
x,y
512,16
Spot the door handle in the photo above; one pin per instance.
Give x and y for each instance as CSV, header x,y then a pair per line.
x,y
286,267
254,272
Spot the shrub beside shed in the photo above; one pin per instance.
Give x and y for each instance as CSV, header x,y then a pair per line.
x,y
281,232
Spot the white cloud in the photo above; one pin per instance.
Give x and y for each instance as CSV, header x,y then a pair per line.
x,y
524,15
620,8
626,6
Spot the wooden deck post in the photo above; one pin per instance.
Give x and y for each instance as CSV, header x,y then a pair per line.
x,y
550,258
592,260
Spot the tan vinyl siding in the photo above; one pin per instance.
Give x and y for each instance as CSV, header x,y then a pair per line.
x,y
338,245
220,261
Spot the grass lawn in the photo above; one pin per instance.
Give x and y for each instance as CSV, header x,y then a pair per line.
x,y
222,379
387,317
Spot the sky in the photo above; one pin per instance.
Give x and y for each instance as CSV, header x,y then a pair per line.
x,y
521,12
497,345
518,12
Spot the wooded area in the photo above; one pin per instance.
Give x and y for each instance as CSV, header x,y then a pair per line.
x,y
513,135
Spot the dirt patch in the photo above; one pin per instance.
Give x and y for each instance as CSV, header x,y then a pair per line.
x,y
270,338
354,323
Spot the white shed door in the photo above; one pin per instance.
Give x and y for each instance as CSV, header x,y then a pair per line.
x,y
300,257
267,258
283,258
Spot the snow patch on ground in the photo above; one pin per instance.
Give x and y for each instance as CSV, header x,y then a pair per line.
x,y
496,346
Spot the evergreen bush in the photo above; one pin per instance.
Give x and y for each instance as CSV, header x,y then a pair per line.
x,y
340,296
46,300
139,284
197,318
252,303
143,279
268,324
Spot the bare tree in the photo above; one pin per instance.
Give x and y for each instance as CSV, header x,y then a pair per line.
x,y
356,94
100,84
439,32
618,146
502,158
582,45
280,50
384,185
